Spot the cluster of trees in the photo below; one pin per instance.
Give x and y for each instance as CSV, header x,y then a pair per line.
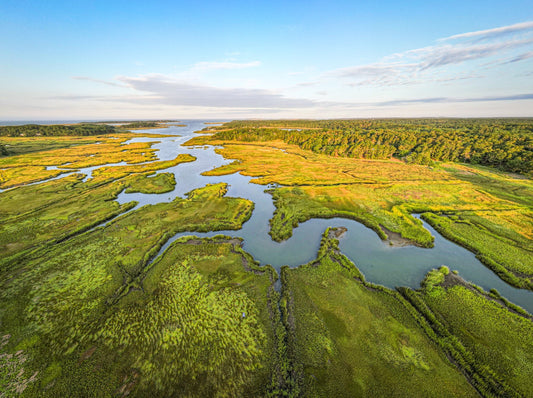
x,y
506,144
3,150
136,125
34,130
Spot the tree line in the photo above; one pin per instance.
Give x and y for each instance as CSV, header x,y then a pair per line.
x,y
136,125
506,144
54,130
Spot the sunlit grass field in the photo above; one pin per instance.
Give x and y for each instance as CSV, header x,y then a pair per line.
x,y
67,154
53,211
160,183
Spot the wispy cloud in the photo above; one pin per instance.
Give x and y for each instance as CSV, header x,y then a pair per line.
x,y
225,65
382,74
90,79
491,33
450,54
166,90
160,90
520,57
306,84
517,97
459,76
411,67
459,57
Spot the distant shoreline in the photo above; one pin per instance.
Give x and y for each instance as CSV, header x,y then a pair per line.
x,y
77,121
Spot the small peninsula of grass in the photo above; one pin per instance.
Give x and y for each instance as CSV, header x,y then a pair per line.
x,y
160,183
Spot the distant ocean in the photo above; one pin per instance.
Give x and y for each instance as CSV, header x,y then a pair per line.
x,y
21,122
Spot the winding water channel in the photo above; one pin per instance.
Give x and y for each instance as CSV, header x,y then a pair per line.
x,y
378,261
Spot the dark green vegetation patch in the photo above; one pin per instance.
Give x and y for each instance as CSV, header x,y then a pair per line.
x,y
136,125
3,150
160,183
486,337
35,130
505,144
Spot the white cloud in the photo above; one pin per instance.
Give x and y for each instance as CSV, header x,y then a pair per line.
x,y
520,57
164,91
202,66
490,33
382,74
90,79
410,67
167,90
518,97
450,54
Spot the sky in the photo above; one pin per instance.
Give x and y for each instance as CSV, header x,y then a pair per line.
x,y
95,60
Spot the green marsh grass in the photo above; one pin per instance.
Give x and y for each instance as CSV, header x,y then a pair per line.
x,y
62,299
488,339
351,338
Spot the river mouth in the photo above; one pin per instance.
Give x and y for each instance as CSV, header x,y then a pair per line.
x,y
381,263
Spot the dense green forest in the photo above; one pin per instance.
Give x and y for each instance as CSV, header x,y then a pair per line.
x,y
506,144
34,130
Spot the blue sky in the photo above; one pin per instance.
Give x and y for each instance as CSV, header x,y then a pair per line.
x,y
268,59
